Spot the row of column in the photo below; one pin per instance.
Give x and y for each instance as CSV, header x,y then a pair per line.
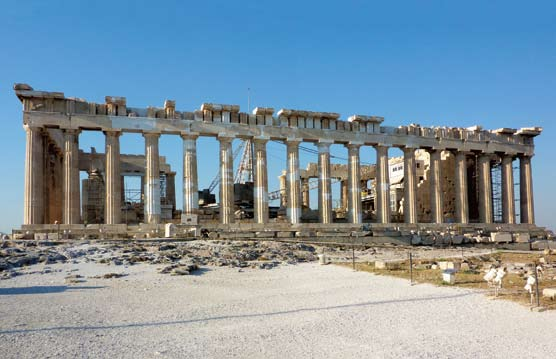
x,y
296,194
484,188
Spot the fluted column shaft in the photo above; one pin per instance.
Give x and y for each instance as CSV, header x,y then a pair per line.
x,y
305,196
354,184
113,185
462,206
344,194
293,185
33,201
435,181
71,197
382,183
226,181
190,178
409,186
171,189
283,179
152,178
325,187
527,204
508,204
261,181
485,189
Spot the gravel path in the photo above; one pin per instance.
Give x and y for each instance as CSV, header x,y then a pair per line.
x,y
305,310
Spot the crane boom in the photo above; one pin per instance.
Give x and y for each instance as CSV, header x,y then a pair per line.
x,y
216,179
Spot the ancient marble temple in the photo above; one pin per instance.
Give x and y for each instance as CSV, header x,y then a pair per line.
x,y
53,123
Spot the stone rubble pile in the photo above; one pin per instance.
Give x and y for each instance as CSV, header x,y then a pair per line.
x,y
180,258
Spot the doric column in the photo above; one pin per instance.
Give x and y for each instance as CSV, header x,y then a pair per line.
x,y
152,178
305,196
435,182
190,178
462,207
113,185
71,197
171,189
508,204
354,183
485,188
344,194
526,190
283,179
325,187
382,184
293,185
122,186
409,186
226,180
143,188
33,201
261,181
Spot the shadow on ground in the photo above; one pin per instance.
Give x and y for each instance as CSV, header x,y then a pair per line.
x,y
47,289
237,316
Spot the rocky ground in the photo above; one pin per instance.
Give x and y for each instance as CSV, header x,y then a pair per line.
x,y
178,258
292,311
182,258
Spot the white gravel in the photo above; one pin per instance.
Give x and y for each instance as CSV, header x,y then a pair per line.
x,y
290,312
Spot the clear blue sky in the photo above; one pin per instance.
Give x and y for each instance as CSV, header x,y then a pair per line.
x,y
429,62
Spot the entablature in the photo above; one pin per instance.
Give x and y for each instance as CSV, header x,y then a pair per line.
x,y
54,110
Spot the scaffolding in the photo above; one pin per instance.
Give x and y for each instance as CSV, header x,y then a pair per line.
x,y
496,177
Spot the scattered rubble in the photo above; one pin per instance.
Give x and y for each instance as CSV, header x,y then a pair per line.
x,y
180,258
110,275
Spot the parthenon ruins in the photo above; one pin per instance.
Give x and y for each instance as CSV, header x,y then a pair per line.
x,y
444,178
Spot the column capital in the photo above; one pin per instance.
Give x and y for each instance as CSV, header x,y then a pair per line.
x,y
324,145
354,144
223,138
506,157
261,139
114,133
460,153
381,145
525,155
71,131
27,127
434,149
189,135
151,134
293,143
506,154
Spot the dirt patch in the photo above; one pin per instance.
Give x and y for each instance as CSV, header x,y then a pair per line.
x,y
517,265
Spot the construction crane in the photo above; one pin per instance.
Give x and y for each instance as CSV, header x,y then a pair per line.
x,y
216,179
313,183
244,172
